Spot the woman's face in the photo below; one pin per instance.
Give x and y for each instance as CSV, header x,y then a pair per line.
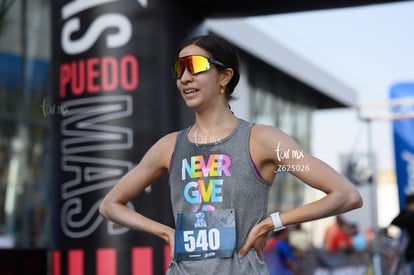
x,y
203,89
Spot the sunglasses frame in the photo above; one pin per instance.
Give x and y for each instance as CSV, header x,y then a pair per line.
x,y
209,60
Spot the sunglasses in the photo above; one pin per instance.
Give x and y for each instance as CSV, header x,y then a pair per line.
x,y
195,64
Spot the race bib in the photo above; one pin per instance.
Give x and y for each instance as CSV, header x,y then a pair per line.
x,y
205,235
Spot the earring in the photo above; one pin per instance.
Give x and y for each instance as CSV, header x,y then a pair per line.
x,y
222,89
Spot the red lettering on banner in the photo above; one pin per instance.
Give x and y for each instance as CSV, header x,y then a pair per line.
x,y
92,74
109,80
167,257
78,77
64,75
56,264
99,74
142,261
106,261
129,70
75,262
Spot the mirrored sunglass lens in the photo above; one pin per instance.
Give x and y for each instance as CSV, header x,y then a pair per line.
x,y
178,69
195,64
198,64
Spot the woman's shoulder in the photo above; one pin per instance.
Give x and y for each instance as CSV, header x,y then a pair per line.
x,y
266,133
168,140
162,149
265,140
164,144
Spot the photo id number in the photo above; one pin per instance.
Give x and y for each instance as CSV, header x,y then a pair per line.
x,y
292,168
205,239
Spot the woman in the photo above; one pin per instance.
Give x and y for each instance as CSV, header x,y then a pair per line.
x,y
220,172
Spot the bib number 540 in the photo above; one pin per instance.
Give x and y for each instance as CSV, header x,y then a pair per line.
x,y
205,239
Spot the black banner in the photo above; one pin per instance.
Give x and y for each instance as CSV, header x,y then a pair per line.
x,y
111,101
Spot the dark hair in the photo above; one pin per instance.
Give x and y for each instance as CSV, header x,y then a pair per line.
x,y
409,199
221,50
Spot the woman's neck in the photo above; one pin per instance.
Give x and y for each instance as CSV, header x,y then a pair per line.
x,y
212,127
215,121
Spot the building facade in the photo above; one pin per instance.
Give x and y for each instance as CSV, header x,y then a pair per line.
x,y
25,109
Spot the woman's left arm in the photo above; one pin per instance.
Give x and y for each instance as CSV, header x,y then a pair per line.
x,y
340,194
281,152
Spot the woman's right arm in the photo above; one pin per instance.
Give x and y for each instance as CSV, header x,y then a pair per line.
x,y
154,163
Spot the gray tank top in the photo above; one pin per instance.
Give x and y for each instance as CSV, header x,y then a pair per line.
x,y
231,181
